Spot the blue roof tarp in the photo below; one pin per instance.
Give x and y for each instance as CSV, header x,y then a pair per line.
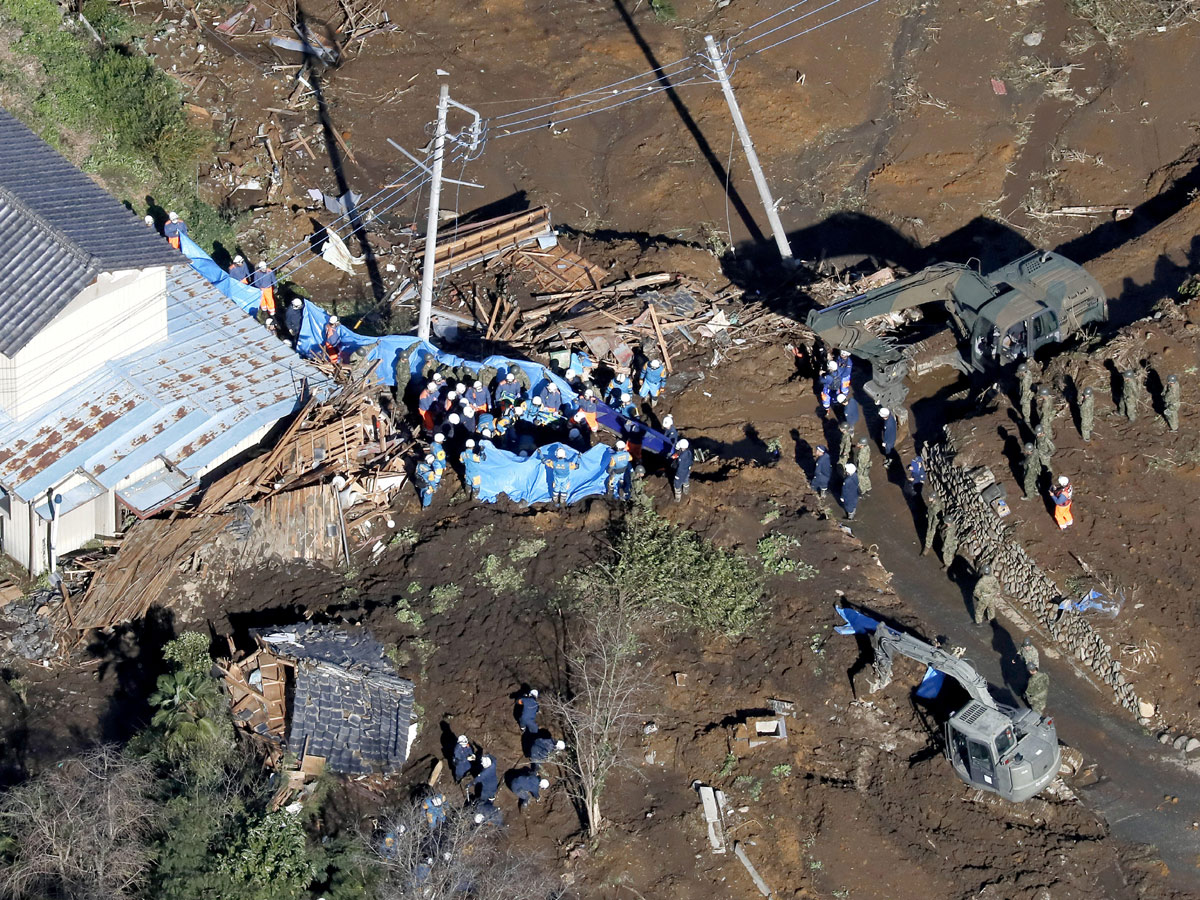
x,y
528,479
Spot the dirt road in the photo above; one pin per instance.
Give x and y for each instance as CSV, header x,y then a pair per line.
x,y
1137,775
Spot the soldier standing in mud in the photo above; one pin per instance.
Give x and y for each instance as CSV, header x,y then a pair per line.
x,y
934,512
1087,413
1029,655
985,596
1037,689
1131,395
862,462
1045,408
1044,444
1171,402
1025,391
845,444
949,540
1032,464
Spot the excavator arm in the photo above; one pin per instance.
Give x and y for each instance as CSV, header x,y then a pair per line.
x,y
887,641
843,325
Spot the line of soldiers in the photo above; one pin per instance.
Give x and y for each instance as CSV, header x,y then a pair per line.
x,y
464,421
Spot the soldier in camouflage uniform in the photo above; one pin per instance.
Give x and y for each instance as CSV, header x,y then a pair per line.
x,y
1025,391
934,512
1131,394
845,443
1087,413
1044,444
1171,402
1029,655
1045,406
1036,689
1033,465
985,596
949,540
862,462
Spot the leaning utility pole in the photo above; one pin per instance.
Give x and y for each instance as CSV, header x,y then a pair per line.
x,y
431,224
751,157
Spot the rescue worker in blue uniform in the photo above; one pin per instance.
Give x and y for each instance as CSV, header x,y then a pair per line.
x,y
619,465
479,398
653,378
488,780
560,475
552,401
542,748
526,785
888,444
174,229
822,472
851,411
682,476
527,711
293,320
669,432
239,271
850,490
464,756
845,367
508,392
916,473
470,459
428,479
438,451
620,385
433,805
828,387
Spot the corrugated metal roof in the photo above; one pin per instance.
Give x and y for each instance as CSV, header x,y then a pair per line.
x,y
58,230
176,406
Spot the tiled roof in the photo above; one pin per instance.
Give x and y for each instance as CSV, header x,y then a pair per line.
x,y
58,230
349,706
177,406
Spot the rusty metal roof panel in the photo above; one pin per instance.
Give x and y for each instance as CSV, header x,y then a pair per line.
x,y
218,378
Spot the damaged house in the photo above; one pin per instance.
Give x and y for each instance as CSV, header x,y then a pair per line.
x,y
125,377
330,694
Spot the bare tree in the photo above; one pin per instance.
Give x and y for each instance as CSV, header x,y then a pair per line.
x,y
453,860
599,712
80,831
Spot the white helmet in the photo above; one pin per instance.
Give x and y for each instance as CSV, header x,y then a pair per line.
x,y
478,385
333,320
560,745
478,818
438,376
655,363
439,438
150,221
683,444
553,387
238,259
561,454
668,420
843,353
620,445
297,303
1063,480
428,457
486,762
841,398
173,216
470,442
625,398
461,388
533,693
510,376
884,413
832,366
589,393
262,265
851,468
544,783
464,740
537,401
570,375
454,419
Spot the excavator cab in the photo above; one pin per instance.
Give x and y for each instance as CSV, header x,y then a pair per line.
x,y
1010,752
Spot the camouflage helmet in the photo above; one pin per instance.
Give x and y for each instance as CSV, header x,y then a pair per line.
x,y
1087,392
1029,448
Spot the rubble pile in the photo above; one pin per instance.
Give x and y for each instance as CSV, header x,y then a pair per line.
x,y
1020,576
34,637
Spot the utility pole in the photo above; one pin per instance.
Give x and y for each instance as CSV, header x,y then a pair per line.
x,y
431,224
739,123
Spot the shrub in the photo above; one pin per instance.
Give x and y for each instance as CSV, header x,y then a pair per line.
x,y
269,859
527,549
773,551
500,578
444,596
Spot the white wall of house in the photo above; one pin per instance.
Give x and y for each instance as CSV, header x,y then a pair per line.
x,y
96,517
118,314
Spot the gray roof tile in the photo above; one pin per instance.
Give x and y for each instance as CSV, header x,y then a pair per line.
x,y
58,230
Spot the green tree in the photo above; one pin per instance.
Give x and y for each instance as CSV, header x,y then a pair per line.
x,y
269,859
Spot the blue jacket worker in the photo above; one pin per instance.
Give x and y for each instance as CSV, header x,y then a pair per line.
x,y
889,431
487,813
527,711
470,458
669,432
850,490
620,464
526,785
174,229
542,748
429,476
438,451
479,397
552,400
681,479
239,271
488,781
916,471
464,756
851,411
293,320
822,472
621,384
434,808
828,386
626,407
845,368
509,390
560,475
654,376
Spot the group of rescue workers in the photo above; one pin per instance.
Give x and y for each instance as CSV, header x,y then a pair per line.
x,y
466,422
479,776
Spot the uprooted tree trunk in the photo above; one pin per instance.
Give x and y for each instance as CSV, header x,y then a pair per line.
x,y
599,711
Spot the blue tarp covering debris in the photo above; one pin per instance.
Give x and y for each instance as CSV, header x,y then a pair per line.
x,y
858,623
503,472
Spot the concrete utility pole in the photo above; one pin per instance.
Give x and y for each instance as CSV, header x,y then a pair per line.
x,y
435,196
739,123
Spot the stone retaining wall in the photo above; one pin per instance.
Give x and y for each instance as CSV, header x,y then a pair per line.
x,y
986,539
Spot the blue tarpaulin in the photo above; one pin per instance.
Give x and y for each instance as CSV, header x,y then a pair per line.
x,y
931,684
858,623
502,472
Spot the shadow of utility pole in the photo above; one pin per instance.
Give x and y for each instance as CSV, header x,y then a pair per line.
x,y
312,71
693,129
